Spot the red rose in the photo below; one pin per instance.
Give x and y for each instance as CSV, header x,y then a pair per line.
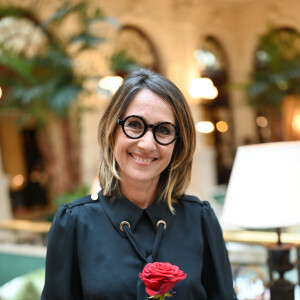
x,y
159,278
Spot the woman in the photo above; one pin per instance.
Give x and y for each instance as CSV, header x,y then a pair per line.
x,y
99,244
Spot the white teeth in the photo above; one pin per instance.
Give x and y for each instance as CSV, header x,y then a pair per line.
x,y
144,160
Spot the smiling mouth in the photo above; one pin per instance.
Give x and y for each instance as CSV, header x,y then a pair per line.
x,y
143,160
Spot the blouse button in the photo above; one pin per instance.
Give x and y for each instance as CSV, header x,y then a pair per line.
x,y
94,196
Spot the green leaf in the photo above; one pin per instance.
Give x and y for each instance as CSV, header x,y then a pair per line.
x,y
59,15
62,98
34,93
87,39
12,11
17,63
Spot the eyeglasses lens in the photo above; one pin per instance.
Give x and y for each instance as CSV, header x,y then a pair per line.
x,y
165,133
134,127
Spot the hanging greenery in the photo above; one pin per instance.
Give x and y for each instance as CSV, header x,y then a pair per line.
x,y
277,70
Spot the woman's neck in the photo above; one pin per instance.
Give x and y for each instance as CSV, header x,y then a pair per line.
x,y
142,195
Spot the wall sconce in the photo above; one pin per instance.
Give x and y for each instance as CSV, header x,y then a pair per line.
x,y
205,127
203,88
296,121
110,83
222,126
17,182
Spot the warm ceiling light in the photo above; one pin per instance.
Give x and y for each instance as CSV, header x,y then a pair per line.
x,y
205,127
222,126
17,181
110,83
296,122
203,88
0,92
261,121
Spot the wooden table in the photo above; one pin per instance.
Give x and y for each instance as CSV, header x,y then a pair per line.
x,y
24,225
260,237
16,226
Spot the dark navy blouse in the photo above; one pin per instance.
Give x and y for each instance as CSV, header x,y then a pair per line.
x,y
90,257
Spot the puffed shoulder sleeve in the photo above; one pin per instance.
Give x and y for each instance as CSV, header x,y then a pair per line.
x,y
62,276
217,275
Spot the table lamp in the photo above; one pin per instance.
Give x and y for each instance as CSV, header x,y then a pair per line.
x,y
264,193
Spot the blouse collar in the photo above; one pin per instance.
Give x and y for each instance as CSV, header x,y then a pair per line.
x,y
123,209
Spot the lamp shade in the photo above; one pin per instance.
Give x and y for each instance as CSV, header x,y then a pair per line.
x,y
264,187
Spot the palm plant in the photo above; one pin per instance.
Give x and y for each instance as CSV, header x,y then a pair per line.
x,y
47,81
277,71
45,85
276,75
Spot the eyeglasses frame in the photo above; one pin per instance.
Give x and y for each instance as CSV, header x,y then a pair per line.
x,y
146,127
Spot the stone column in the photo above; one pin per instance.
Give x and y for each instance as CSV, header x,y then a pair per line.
x,y
89,144
204,172
5,204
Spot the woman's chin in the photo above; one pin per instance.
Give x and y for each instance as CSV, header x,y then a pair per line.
x,y
140,178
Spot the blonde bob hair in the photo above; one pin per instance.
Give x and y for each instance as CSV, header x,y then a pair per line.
x,y
176,177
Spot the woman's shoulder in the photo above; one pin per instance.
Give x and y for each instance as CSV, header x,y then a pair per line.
x,y
92,198
67,213
207,213
77,204
195,201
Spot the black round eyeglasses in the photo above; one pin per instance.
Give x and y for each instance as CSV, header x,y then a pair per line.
x,y
135,127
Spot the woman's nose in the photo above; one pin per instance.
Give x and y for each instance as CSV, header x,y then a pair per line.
x,y
147,141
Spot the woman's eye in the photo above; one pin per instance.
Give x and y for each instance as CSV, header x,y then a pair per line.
x,y
164,130
137,125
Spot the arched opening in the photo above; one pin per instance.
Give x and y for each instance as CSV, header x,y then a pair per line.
x,y
133,49
213,64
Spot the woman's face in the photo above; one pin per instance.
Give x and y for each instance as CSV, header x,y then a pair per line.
x,y
143,160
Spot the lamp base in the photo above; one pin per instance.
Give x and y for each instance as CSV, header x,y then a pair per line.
x,y
278,259
282,289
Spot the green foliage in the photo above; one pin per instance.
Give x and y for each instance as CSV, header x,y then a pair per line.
x,y
47,82
277,72
70,196
12,11
121,62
